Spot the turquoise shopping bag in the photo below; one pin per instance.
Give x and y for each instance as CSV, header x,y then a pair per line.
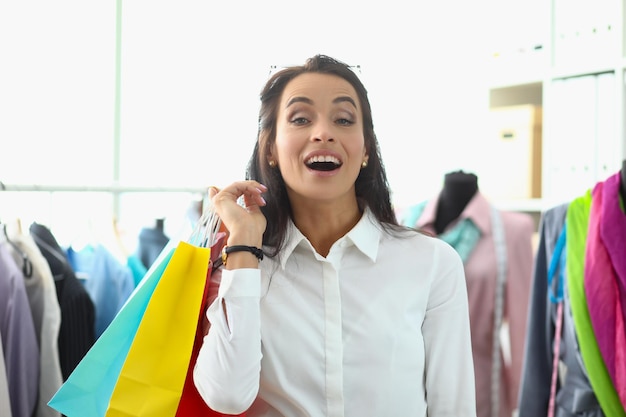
x,y
89,387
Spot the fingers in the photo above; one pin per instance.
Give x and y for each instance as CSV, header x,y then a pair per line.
x,y
238,206
250,200
251,191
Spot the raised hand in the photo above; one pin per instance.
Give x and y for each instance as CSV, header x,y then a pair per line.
x,y
239,207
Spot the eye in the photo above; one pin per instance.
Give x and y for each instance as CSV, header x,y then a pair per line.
x,y
299,120
344,122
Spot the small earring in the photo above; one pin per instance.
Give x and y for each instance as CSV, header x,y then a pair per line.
x,y
272,163
364,163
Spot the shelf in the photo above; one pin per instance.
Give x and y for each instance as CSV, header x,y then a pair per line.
x,y
511,82
531,205
528,93
581,70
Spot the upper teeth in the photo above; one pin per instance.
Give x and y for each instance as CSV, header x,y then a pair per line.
x,y
323,158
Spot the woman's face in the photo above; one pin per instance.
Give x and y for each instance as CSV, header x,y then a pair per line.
x,y
319,145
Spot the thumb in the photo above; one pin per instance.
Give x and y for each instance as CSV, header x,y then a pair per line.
x,y
212,191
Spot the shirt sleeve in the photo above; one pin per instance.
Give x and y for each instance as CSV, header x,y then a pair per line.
x,y
227,370
450,386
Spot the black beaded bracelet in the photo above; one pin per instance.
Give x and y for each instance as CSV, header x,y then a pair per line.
x,y
241,248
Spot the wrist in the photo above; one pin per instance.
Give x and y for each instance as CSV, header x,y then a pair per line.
x,y
241,256
245,240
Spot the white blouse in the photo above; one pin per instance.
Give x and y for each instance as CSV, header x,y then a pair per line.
x,y
380,327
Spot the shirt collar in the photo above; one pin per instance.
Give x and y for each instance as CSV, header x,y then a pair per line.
x,y
365,235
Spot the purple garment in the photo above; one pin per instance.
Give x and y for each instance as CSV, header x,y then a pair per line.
x,y
613,233
601,285
19,340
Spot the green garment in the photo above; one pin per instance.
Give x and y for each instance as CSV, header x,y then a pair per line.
x,y
577,222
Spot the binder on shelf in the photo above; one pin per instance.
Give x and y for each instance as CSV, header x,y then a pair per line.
x,y
512,171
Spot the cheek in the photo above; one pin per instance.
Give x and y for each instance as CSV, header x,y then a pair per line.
x,y
356,147
289,142
286,149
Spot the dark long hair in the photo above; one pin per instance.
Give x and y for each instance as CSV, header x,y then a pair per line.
x,y
372,187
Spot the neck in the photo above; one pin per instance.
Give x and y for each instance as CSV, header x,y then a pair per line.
x,y
324,224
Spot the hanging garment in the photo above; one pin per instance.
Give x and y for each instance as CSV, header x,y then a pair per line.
x,y
46,314
574,395
577,222
602,282
556,293
481,276
137,268
77,330
19,341
613,232
5,400
108,282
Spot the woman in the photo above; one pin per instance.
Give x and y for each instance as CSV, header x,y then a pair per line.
x,y
348,313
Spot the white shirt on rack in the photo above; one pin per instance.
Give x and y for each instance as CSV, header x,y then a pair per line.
x,y
380,327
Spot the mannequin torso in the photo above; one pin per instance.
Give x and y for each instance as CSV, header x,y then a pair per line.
x,y
458,189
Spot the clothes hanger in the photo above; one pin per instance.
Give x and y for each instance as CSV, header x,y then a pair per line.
x,y
48,248
207,230
27,265
119,240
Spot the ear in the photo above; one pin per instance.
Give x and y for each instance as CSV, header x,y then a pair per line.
x,y
271,154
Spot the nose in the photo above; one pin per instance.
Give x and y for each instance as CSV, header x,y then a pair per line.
x,y
322,132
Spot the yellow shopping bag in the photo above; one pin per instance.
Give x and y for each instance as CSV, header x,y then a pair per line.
x,y
152,377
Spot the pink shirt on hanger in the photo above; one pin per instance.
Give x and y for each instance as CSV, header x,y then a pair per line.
x,y
481,274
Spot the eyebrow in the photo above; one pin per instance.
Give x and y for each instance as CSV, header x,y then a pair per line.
x,y
344,98
306,100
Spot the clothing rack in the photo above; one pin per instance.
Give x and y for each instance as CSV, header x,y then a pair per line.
x,y
112,188
115,189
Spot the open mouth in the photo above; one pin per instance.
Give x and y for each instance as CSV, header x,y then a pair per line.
x,y
323,166
323,163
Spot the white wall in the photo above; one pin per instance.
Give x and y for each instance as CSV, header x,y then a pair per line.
x,y
191,72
